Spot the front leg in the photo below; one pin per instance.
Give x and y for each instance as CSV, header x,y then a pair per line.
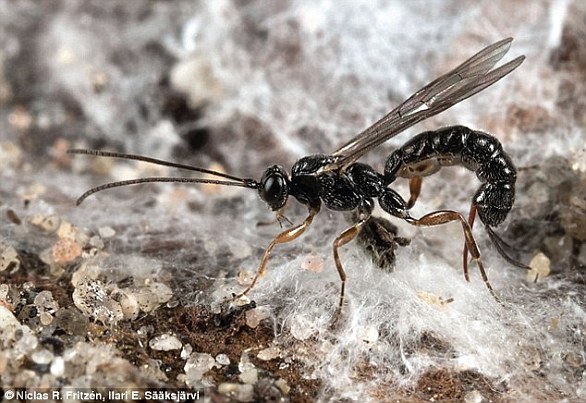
x,y
286,236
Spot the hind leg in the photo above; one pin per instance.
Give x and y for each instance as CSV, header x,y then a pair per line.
x,y
471,217
446,216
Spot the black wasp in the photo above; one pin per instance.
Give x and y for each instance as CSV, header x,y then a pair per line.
x,y
343,184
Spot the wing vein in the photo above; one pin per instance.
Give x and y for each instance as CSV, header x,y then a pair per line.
x,y
467,79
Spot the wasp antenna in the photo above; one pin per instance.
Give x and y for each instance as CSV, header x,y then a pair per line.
x,y
247,183
155,161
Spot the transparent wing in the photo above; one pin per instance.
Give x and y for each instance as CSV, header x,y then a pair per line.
x,y
470,77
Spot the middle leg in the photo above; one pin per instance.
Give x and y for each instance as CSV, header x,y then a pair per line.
x,y
363,214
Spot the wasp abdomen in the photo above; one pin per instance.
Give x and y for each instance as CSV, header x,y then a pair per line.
x,y
477,151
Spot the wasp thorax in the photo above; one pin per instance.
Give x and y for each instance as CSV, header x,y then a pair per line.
x,y
274,187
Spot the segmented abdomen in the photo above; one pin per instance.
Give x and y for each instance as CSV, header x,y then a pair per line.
x,y
480,152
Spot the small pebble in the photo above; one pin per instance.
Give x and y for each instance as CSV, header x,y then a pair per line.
x,y
540,267
249,376
152,296
269,353
92,298
283,386
302,327
197,365
223,359
42,357
473,397
57,366
106,232
9,259
65,250
313,263
186,351
255,316
129,305
46,318
45,302
243,393
66,230
165,342
45,223
248,372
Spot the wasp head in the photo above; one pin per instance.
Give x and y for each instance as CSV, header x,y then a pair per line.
x,y
274,187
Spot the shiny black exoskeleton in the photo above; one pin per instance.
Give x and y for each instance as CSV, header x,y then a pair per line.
x,y
477,151
310,183
342,183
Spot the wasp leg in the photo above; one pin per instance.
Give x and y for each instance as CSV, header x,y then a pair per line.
x,y
284,237
279,218
471,217
414,190
346,236
445,216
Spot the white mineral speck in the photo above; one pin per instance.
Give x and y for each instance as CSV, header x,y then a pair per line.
x,y
42,357
473,397
197,365
268,354
243,393
249,376
45,301
313,263
46,318
540,265
58,366
165,342
302,327
248,372
9,258
254,316
129,305
9,327
152,296
223,359
106,232
186,351
283,386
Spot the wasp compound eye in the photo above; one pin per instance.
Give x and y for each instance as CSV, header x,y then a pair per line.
x,y
274,187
